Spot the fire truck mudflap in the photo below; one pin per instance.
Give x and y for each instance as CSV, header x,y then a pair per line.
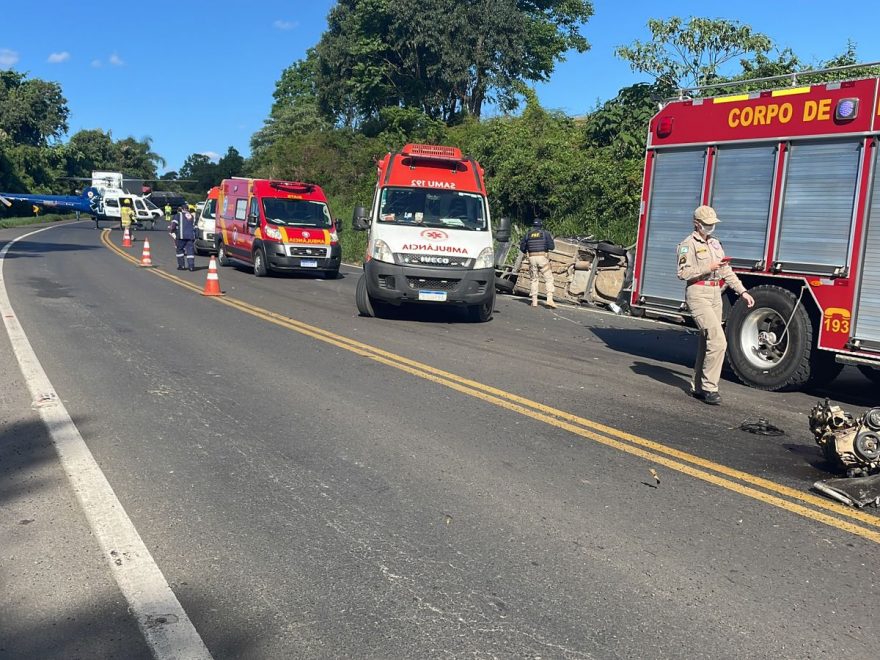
x,y
793,175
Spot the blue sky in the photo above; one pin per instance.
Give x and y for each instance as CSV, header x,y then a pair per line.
x,y
198,76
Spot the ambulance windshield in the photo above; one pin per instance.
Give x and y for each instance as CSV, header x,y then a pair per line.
x,y
450,209
210,210
296,213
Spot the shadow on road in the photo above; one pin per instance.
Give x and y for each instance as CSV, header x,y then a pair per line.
x,y
663,375
24,445
30,249
675,346
103,629
679,347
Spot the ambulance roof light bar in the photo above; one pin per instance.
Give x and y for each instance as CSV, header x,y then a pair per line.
x,y
293,186
683,92
432,152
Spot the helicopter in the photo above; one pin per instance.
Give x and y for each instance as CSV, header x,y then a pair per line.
x,y
114,193
88,202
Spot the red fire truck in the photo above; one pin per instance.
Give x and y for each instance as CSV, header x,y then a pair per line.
x,y
793,175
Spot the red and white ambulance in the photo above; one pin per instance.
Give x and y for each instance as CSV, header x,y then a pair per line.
x,y
793,174
276,226
430,236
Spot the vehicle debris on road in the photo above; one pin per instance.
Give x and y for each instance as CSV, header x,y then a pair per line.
x,y
852,444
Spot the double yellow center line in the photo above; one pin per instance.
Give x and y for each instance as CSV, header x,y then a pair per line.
x,y
804,504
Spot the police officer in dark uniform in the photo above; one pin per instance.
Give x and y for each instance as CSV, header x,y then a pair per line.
x,y
183,231
537,245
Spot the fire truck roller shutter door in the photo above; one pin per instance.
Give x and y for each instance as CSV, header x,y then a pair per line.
x,y
818,201
676,189
867,311
742,187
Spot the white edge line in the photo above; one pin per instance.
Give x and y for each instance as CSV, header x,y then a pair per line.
x,y
167,629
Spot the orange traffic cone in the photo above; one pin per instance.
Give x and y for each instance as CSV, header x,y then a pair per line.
x,y
126,238
212,284
146,261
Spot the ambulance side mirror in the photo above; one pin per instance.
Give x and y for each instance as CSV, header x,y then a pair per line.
x,y
502,233
338,225
253,220
360,221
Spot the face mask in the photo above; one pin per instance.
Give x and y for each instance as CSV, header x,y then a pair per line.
x,y
706,230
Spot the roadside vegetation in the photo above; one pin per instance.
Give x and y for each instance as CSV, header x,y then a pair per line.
x,y
437,71
48,218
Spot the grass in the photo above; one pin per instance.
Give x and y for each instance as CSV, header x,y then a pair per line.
x,y
6,223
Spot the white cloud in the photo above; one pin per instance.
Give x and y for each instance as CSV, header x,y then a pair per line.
x,y
115,60
284,25
58,58
8,58
213,155
97,64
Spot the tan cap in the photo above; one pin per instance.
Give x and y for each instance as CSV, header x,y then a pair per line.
x,y
705,215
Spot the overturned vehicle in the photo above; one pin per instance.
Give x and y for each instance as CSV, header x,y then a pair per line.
x,y
585,271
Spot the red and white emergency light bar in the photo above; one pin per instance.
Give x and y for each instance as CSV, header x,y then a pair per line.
x,y
433,152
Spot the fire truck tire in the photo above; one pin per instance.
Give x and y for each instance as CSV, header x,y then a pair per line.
x,y
871,374
611,248
481,313
362,298
222,257
261,268
760,351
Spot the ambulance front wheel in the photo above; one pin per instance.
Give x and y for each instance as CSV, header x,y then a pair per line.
x,y
362,298
770,346
481,313
261,268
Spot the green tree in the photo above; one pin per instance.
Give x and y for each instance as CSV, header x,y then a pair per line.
x,y
295,110
89,150
137,158
691,53
231,164
201,170
622,122
32,112
447,58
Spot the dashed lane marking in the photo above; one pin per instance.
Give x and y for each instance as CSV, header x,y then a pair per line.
x,y
165,626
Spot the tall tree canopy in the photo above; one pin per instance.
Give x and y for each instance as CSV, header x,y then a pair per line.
x,y
32,112
691,53
445,57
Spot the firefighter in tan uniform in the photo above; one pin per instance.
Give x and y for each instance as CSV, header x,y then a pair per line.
x,y
702,265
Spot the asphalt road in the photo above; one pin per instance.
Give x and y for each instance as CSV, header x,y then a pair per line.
x,y
439,489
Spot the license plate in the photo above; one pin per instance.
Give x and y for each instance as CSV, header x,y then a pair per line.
x,y
437,296
308,263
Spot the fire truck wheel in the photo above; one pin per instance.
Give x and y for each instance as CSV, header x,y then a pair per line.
x,y
871,374
763,352
222,257
261,269
362,298
481,313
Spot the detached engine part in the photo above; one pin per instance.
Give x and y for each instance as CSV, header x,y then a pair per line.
x,y
852,443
